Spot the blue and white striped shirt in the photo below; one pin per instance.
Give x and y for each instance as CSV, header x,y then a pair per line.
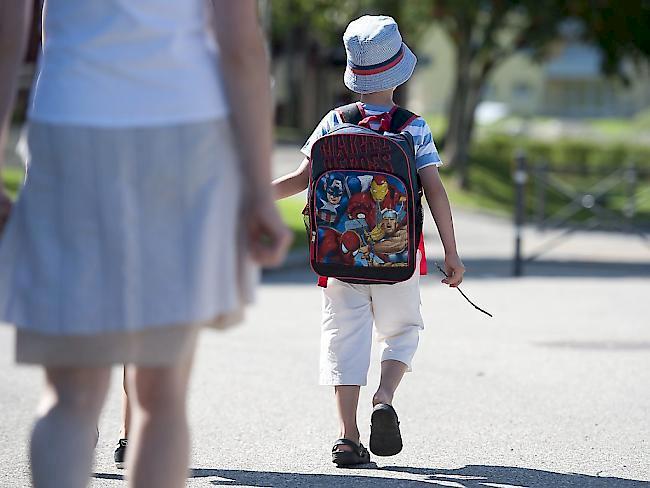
x,y
426,153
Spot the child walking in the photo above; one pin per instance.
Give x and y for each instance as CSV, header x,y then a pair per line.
x,y
377,62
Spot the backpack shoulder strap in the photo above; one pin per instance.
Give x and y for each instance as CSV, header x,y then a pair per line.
x,y
352,113
401,118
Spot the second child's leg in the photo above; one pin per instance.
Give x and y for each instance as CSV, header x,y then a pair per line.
x,y
126,410
119,455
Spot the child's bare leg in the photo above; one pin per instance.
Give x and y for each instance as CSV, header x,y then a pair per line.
x,y
126,410
392,373
347,399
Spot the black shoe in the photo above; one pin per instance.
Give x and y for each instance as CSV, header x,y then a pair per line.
x,y
385,437
120,453
358,454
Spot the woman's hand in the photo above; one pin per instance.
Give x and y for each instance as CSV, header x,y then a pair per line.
x,y
5,209
455,270
268,236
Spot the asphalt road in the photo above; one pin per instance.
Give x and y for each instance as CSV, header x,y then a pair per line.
x,y
551,392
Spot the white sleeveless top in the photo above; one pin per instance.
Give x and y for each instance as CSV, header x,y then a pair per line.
x,y
120,63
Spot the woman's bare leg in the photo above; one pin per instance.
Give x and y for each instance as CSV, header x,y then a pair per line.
x,y
64,435
158,452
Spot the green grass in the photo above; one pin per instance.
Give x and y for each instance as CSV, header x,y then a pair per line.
x,y
614,126
12,180
492,190
483,200
600,129
291,211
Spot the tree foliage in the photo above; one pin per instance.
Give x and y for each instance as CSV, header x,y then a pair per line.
x,y
324,21
308,34
486,32
620,29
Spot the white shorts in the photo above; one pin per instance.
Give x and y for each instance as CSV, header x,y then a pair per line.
x,y
349,312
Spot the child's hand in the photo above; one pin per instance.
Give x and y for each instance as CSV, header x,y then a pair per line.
x,y
455,270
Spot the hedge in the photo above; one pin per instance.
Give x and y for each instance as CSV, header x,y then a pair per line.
x,y
583,156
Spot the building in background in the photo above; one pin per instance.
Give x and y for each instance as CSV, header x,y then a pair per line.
x,y
568,85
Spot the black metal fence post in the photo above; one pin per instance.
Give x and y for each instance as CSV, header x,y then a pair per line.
x,y
541,171
520,177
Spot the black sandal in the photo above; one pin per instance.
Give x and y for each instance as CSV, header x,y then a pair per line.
x,y
358,454
385,437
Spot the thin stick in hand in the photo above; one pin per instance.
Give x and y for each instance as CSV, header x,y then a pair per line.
x,y
461,292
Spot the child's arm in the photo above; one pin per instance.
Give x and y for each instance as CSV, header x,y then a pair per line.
x,y
293,182
441,213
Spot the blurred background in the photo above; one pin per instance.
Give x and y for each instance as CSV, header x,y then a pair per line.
x,y
556,92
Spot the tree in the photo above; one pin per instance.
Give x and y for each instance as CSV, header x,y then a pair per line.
x,y
486,32
619,29
308,33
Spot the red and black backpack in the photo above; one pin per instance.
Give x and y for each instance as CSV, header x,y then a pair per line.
x,y
364,203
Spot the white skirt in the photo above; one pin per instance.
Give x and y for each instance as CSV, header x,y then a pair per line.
x,y
123,230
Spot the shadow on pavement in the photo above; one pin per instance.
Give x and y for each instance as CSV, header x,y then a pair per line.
x,y
478,476
473,476
490,268
499,267
267,479
108,476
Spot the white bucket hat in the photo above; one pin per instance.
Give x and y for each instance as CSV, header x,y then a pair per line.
x,y
377,58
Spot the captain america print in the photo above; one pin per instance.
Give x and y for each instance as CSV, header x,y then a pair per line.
x,y
332,197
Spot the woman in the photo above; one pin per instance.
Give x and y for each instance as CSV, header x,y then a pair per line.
x,y
128,235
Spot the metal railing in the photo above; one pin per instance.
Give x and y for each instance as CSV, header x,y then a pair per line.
x,y
593,199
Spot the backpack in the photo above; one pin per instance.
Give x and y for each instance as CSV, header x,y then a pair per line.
x,y
364,211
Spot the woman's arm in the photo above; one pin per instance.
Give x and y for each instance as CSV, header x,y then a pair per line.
x,y
15,17
245,68
293,182
441,212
